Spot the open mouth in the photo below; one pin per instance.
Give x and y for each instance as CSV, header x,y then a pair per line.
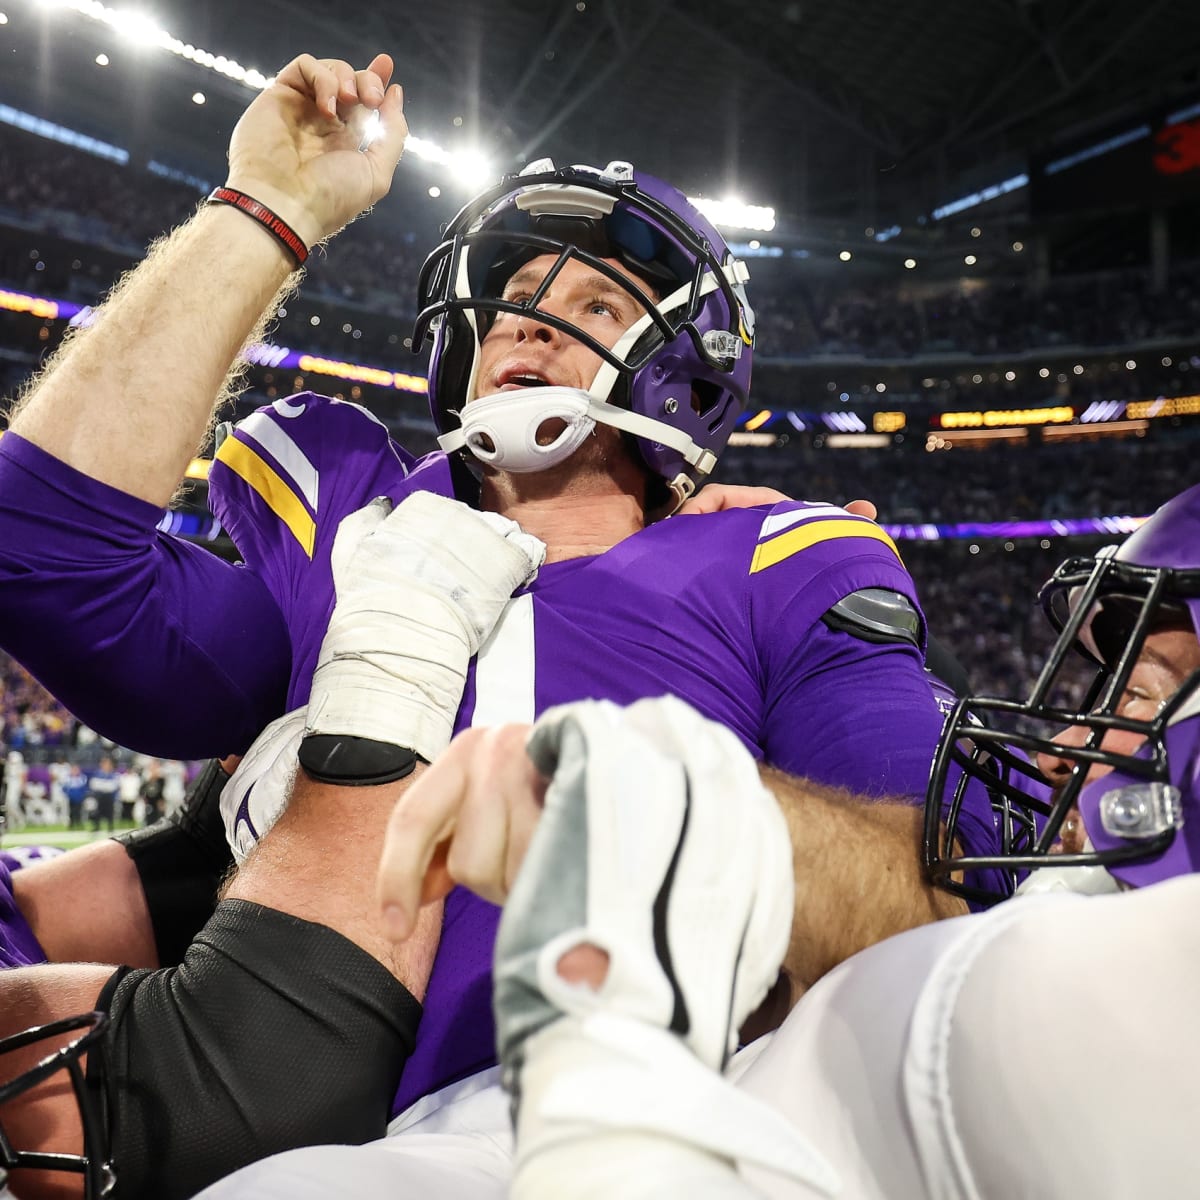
x,y
521,380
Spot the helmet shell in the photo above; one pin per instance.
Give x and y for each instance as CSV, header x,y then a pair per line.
x,y
688,371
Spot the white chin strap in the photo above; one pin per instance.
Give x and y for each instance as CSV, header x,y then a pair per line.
x,y
502,430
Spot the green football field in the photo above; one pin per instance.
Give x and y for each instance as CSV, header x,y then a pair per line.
x,y
58,835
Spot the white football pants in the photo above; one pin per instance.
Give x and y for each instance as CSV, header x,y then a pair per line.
x,y
1045,1049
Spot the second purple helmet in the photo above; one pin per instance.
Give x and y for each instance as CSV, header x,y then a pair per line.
x,y
1141,807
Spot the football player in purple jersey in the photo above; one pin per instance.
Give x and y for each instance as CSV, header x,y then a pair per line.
x,y
591,344
1030,1050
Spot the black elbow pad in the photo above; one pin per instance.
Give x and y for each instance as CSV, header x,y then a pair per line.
x,y
182,860
271,1034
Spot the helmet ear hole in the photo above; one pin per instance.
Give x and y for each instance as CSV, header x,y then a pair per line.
x,y
705,396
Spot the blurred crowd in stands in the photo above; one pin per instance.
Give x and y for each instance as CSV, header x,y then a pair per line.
x,y
73,196
111,793
819,319
55,770
979,599
1099,478
101,207
29,716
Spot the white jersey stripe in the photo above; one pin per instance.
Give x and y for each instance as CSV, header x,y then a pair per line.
x,y
504,670
295,463
784,520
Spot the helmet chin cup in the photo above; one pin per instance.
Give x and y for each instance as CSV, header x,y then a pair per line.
x,y
502,430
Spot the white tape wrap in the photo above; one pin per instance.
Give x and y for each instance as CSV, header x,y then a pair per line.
x,y
418,590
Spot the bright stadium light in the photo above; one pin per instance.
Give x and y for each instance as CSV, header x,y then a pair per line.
x,y
141,28
372,131
733,214
471,168
138,27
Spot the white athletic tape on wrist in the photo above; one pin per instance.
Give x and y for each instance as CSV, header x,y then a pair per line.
x,y
418,590
393,692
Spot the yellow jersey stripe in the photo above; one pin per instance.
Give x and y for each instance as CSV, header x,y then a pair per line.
x,y
786,544
280,498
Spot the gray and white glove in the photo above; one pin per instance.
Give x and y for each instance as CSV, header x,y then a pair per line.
x,y
419,588
660,846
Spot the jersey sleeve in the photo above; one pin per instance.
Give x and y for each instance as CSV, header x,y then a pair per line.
x,y
281,483
153,642
840,709
19,946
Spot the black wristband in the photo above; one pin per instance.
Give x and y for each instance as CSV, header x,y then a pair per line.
x,y
354,761
270,221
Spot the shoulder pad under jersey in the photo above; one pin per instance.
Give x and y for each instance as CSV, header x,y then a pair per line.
x,y
876,615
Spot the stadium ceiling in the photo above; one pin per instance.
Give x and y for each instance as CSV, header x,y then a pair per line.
x,y
860,112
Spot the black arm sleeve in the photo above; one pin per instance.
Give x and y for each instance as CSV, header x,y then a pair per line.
x,y
273,1033
181,861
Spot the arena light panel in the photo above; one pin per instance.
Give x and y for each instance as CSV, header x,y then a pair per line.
x,y
858,441
734,214
1016,530
1163,406
948,426
1100,148
206,527
992,192
61,133
1082,433
998,417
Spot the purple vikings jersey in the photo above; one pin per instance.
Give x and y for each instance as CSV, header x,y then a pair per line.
x,y
17,857
723,610
18,945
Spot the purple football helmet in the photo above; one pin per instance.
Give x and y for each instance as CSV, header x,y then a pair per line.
x,y
677,381
1142,818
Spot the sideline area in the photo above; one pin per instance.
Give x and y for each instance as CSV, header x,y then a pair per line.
x,y
58,835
